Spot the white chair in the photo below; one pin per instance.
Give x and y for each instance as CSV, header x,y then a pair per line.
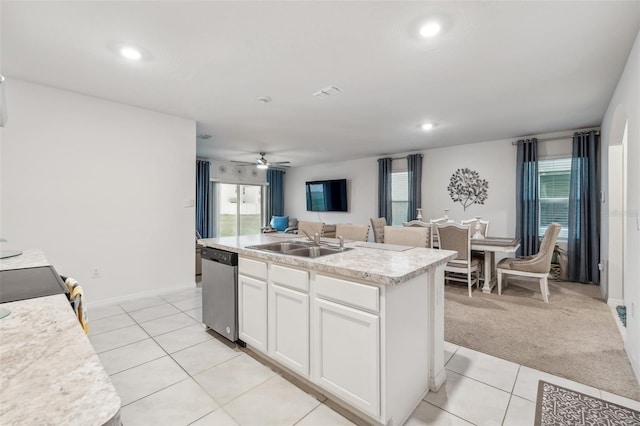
x,y
420,224
452,236
352,232
483,229
537,266
434,233
415,237
473,223
378,224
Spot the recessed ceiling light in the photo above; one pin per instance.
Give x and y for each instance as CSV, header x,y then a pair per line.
x,y
430,29
427,126
264,99
131,53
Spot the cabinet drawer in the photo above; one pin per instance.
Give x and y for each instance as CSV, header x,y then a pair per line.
x,y
353,294
288,277
252,268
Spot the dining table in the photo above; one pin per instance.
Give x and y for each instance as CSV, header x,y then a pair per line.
x,y
490,246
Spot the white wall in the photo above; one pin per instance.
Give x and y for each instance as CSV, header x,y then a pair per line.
x,y
495,161
362,191
97,184
625,108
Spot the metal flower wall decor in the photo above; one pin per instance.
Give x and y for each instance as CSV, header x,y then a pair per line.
x,y
466,187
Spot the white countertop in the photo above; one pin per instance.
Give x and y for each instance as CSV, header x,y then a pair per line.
x,y
49,372
364,263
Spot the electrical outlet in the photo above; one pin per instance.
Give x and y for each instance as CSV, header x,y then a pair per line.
x,y
95,273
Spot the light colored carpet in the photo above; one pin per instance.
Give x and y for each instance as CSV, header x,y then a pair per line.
x,y
573,336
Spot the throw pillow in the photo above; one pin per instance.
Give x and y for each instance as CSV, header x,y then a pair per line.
x,y
280,222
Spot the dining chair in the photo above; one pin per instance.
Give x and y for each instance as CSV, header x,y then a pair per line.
x,y
378,224
352,232
310,228
406,236
452,236
484,231
537,266
434,223
484,226
419,224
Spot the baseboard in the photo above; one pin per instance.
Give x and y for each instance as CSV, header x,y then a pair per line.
x,y
142,294
634,363
615,302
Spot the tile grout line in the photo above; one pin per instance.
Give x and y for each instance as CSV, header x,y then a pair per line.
x,y
449,412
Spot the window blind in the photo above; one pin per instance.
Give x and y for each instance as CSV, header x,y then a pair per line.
x,y
553,193
399,197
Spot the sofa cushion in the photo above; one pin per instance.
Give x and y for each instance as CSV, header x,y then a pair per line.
x,y
280,222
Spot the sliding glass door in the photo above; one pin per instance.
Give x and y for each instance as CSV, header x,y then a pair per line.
x,y
239,209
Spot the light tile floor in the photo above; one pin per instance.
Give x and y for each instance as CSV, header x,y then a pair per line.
x,y
169,371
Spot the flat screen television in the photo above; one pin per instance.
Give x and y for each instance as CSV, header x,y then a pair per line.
x,y
327,195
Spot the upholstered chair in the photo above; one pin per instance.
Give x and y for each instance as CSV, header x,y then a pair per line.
x,y
452,236
352,232
434,223
310,228
419,224
537,266
484,226
378,224
416,237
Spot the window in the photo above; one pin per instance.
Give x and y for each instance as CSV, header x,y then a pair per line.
x,y
553,193
399,197
238,209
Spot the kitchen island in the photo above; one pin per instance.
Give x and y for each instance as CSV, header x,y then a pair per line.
x,y
49,372
365,325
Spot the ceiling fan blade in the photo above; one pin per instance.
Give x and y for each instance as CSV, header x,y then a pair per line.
x,y
281,162
243,163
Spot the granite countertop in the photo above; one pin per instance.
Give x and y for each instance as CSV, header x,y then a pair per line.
x,y
49,372
364,263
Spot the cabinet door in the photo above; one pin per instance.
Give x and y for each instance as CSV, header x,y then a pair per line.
x,y
289,328
252,312
347,354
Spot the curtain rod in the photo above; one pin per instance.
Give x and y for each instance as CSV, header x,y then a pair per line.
x,y
557,138
402,158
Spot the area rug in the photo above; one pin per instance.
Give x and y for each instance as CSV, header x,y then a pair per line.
x,y
574,336
558,406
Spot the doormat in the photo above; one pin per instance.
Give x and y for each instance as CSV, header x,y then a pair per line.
x,y
622,314
558,406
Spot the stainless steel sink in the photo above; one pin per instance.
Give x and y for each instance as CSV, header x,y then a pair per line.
x,y
298,248
281,247
316,251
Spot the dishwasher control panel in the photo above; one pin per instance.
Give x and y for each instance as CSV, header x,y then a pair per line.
x,y
221,256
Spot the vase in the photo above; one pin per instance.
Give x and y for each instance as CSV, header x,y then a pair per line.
x,y
419,215
478,235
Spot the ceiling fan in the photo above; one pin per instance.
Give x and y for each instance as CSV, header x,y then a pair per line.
x,y
262,163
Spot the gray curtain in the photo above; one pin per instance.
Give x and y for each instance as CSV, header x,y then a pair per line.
x,y
384,188
414,167
584,233
275,194
202,198
527,197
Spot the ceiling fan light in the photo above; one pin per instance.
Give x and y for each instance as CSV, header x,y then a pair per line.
x,y
262,166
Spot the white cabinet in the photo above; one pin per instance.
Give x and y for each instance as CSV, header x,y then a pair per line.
x,y
347,358
289,317
252,311
289,328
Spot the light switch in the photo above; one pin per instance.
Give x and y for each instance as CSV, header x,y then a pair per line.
x,y
638,221
188,203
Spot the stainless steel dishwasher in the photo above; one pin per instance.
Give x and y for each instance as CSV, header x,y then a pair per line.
x,y
220,291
